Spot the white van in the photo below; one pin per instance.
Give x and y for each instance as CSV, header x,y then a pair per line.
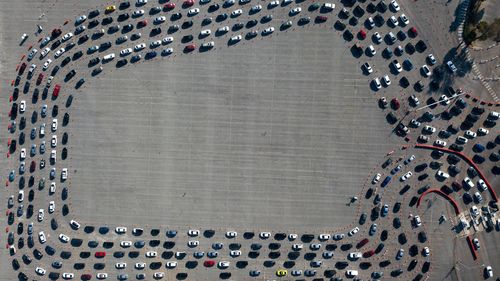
x,y
108,57
328,6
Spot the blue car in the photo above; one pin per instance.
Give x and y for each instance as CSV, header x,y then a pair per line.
x,y
386,181
478,148
408,64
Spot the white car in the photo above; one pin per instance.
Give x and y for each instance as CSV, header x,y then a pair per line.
x,y
323,237
23,154
470,134
395,5
409,160
268,30
208,45
400,254
426,252
429,129
158,275
54,125
404,19
394,21
32,54
120,265
64,174
223,29
46,64
223,264
256,9
231,234
265,235
41,237
236,13
440,143
52,189
22,106
193,232
297,247
139,47
53,155
171,264
292,236
352,273
372,50
40,271
376,83
140,265
386,80
474,211
41,215
53,141
67,36
101,275
481,185
236,38
193,12
489,271
167,51
141,2
68,275
155,44
81,19
397,66
417,220
451,66
353,231
160,19
205,32
52,207
477,245
235,253
295,11
167,40
469,182
274,3
74,224
355,255
376,178
432,59
125,52
444,100
483,131
44,53
193,243
121,230
377,37
368,67
138,13
64,238
151,254
126,244
406,176
442,174
60,52
461,140
425,70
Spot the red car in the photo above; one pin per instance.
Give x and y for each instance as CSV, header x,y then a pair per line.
x,y
413,31
170,6
39,80
57,88
22,68
188,3
362,243
368,254
209,263
395,103
190,48
142,23
32,166
321,18
56,32
100,254
362,34
86,276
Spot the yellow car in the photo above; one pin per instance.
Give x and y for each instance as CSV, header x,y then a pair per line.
x,y
281,272
110,9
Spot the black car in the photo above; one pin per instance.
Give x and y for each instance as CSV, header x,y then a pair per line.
x,y
155,10
221,17
94,61
251,23
124,5
187,38
123,17
237,26
50,250
175,16
70,74
93,23
37,254
362,219
206,21
187,24
55,70
173,28
83,39
93,14
107,20
76,56
26,259
382,6
113,29
213,8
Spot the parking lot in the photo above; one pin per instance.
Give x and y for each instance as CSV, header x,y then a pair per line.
x,y
283,140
